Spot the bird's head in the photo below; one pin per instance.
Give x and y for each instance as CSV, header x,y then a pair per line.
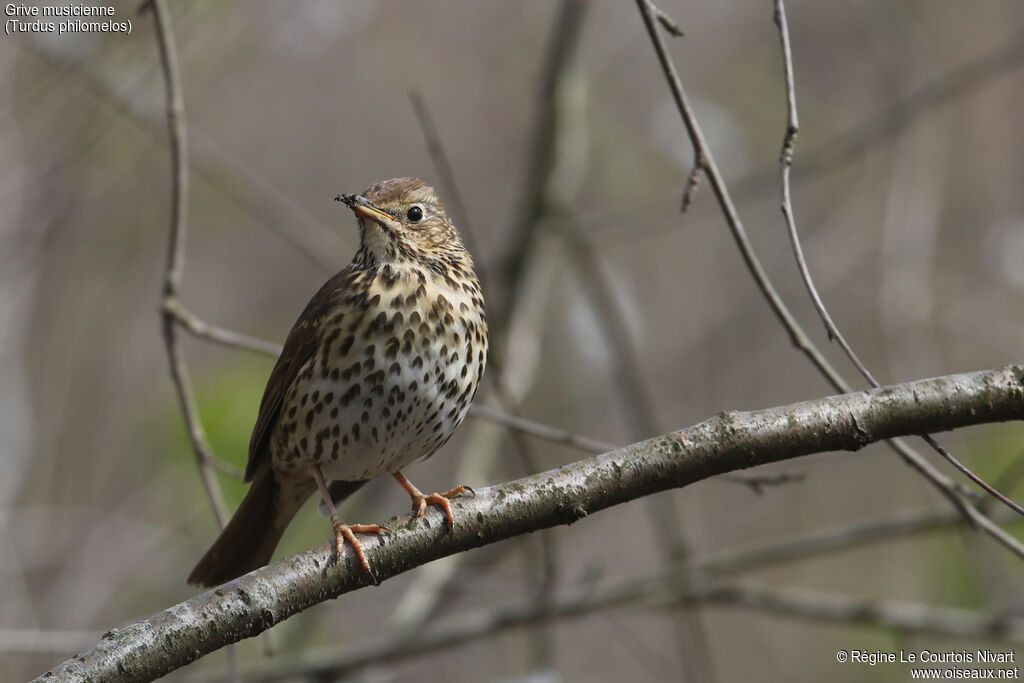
x,y
401,221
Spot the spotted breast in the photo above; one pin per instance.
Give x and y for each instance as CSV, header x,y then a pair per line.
x,y
378,371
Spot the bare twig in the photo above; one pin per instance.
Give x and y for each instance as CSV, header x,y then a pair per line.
x,y
1008,479
692,183
176,255
797,335
668,23
991,490
253,603
226,468
219,335
785,165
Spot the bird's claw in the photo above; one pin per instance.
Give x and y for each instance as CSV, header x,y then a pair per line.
x,y
443,500
346,532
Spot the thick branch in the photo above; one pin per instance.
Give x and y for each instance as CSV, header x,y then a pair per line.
x,y
727,442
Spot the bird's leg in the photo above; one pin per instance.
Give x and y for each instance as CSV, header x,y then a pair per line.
x,y
420,501
345,532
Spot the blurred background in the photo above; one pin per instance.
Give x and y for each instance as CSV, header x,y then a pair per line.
x,y
614,316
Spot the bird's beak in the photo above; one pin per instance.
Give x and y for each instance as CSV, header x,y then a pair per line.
x,y
361,206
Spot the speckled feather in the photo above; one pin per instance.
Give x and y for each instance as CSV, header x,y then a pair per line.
x,y
380,368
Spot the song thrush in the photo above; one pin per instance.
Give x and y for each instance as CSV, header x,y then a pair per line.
x,y
377,372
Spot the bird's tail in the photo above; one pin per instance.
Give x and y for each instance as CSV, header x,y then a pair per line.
x,y
249,539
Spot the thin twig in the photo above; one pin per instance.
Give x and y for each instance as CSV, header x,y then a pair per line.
x,y
797,335
692,184
201,329
1008,479
785,165
897,616
991,490
176,255
512,276
668,23
640,411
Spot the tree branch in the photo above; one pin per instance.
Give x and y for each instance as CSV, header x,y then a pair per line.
x,y
732,440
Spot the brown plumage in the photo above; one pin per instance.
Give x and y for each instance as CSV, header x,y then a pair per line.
x,y
377,372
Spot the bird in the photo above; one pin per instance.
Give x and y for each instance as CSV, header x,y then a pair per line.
x,y
377,372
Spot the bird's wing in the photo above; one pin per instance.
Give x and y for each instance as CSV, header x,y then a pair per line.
x,y
299,348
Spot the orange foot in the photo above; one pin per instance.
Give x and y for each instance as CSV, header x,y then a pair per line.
x,y
347,532
420,501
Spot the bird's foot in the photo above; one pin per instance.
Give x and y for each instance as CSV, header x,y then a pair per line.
x,y
443,500
347,532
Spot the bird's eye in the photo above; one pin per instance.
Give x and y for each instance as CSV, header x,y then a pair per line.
x,y
414,214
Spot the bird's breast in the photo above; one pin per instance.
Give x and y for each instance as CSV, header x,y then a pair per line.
x,y
393,376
